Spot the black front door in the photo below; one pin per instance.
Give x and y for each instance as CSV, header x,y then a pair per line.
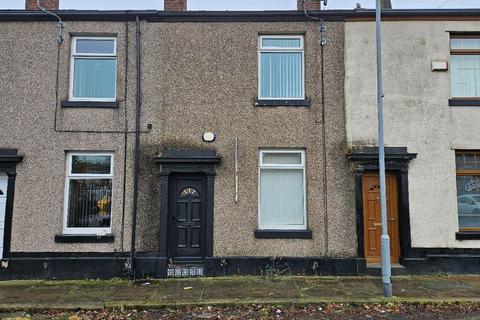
x,y
186,232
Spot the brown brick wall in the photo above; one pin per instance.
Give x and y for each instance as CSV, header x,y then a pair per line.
x,y
386,4
47,4
175,5
310,4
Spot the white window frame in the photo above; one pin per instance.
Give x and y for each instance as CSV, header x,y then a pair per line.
x,y
461,53
69,176
75,55
262,49
302,167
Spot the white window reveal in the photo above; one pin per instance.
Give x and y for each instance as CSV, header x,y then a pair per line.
x,y
88,193
3,207
282,196
281,67
93,69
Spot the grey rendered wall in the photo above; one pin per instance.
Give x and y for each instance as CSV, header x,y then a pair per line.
x,y
417,116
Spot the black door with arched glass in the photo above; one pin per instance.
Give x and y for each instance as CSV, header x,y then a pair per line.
x,y
187,216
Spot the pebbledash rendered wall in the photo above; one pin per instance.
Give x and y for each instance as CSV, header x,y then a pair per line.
x,y
195,77
202,76
417,116
33,122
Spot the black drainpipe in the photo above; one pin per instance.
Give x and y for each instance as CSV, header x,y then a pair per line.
x,y
323,41
137,151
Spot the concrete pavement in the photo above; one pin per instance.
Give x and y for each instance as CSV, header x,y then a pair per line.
x,y
88,294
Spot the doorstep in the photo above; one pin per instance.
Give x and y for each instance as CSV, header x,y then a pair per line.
x,y
375,269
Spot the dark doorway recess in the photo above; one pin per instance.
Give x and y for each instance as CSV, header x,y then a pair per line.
x,y
365,160
9,158
186,211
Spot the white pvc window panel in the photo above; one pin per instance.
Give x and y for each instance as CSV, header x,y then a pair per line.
x,y
465,44
95,46
465,75
88,193
93,69
281,67
465,67
282,196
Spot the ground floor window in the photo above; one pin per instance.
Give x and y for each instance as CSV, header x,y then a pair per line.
x,y
468,189
282,195
88,193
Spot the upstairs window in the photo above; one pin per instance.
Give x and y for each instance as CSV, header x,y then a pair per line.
x,y
93,69
281,67
468,189
465,66
282,194
88,193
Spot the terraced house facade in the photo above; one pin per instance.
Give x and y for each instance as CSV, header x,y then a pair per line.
x,y
431,107
241,166
181,143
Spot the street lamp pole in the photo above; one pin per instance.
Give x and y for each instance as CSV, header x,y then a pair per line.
x,y
386,263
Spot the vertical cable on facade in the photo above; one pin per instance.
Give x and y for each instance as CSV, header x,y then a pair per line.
x,y
236,169
323,41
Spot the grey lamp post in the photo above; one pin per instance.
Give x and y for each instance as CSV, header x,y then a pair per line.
x,y
386,264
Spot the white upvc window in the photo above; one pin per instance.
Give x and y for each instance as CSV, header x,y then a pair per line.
x,y
468,189
88,193
281,69
465,66
282,190
93,69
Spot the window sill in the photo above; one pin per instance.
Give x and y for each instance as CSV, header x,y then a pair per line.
x,y
459,102
90,104
468,235
283,103
83,238
283,234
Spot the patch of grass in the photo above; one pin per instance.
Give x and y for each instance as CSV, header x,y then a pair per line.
x,y
57,283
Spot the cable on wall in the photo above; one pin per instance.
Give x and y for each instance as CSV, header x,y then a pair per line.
x,y
236,169
61,24
323,42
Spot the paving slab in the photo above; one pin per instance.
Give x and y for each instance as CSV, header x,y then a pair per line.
x,y
275,289
177,292
227,290
343,290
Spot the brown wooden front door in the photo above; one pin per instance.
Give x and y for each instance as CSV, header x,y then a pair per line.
x,y
372,219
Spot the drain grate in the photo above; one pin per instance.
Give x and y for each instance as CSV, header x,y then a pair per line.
x,y
176,271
